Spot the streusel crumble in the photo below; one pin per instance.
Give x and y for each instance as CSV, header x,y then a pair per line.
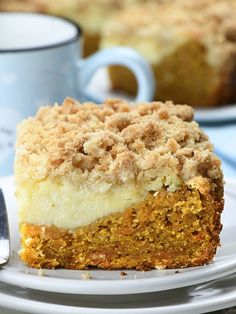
x,y
117,185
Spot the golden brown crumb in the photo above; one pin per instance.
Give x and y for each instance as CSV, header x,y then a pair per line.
x,y
114,142
123,274
201,184
160,267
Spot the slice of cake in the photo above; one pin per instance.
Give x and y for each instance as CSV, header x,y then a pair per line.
x,y
191,46
117,186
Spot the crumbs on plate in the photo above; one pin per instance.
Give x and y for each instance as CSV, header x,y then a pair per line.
x,y
86,276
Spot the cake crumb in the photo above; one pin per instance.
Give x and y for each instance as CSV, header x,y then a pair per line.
x,y
123,274
28,241
41,272
115,142
86,276
160,267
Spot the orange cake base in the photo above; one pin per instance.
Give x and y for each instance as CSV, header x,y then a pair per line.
x,y
167,230
207,86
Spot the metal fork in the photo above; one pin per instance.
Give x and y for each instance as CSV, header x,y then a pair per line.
x,y
4,233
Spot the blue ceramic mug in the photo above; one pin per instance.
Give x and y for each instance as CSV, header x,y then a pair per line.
x,y
40,64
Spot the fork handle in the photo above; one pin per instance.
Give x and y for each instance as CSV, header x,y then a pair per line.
x,y
4,231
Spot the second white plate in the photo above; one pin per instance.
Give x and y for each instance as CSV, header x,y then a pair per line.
x,y
111,282
215,295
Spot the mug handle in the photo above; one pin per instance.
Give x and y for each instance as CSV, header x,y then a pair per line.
x,y
118,56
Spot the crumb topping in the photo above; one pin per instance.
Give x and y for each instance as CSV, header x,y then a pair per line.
x,y
114,142
198,15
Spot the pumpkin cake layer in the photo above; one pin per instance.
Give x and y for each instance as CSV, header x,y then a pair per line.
x,y
117,186
167,230
190,45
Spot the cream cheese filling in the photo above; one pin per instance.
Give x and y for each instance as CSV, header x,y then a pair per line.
x,y
66,205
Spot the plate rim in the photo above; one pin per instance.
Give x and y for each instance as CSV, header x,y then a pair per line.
x,y
213,303
220,114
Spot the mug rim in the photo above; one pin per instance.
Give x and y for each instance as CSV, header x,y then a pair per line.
x,y
78,34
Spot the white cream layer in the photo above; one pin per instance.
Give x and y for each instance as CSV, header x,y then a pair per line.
x,y
65,205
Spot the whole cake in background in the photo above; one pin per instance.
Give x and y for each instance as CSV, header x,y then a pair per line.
x,y
89,14
117,186
191,46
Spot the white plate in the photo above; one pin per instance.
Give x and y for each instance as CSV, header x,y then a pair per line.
x,y
212,296
110,282
218,114
100,86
